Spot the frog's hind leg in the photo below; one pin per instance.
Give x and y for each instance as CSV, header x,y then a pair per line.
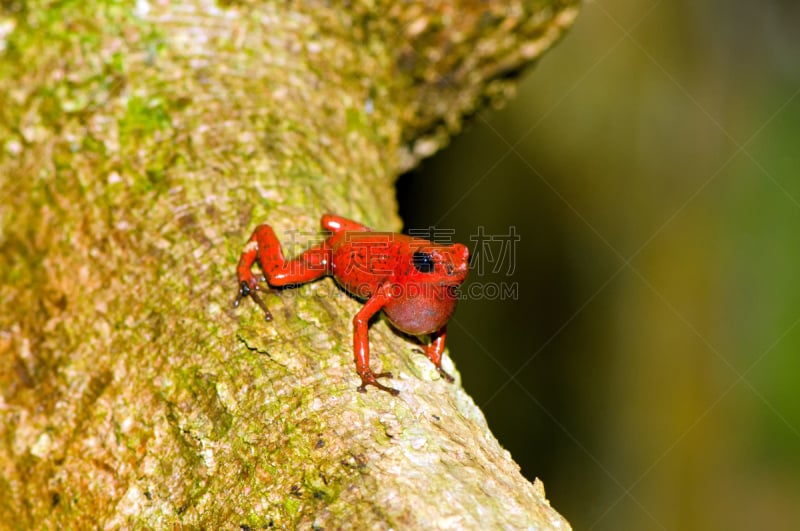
x,y
265,248
338,224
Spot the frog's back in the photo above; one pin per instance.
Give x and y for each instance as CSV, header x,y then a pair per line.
x,y
361,261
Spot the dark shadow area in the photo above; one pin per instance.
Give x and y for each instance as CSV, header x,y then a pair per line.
x,y
633,217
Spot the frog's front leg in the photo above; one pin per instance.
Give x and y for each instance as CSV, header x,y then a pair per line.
x,y
361,341
434,352
264,247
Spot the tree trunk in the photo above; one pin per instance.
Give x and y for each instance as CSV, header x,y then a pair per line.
x,y
141,144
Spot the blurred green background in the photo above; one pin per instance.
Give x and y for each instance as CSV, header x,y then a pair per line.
x,y
648,370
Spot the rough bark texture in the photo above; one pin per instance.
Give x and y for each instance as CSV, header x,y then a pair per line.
x,y
141,143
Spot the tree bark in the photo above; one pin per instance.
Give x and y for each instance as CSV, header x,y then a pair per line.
x,y
141,143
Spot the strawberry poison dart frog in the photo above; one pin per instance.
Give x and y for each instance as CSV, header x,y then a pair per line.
x,y
413,280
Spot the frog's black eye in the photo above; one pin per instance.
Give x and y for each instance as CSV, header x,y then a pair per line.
x,y
423,262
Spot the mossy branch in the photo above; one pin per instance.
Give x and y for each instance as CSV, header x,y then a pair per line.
x,y
141,143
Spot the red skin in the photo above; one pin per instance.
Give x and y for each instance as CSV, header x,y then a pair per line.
x,y
412,280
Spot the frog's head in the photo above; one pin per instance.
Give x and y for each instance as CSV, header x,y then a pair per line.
x,y
444,265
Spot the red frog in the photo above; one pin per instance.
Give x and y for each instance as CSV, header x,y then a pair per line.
x,y
413,280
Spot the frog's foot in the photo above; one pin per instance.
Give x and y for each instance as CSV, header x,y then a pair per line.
x,y
370,378
443,373
446,375
249,288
